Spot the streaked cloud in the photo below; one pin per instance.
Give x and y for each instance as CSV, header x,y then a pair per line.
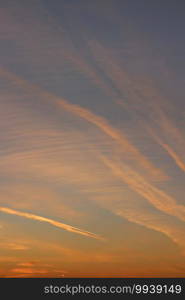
x,y
178,159
144,100
47,220
99,121
155,196
14,246
91,118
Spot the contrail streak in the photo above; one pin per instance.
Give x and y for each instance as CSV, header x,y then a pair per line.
x,y
175,233
145,95
85,114
154,195
177,159
50,221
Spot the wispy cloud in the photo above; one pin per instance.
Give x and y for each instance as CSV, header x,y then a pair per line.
x,y
50,221
154,195
86,137
154,222
178,159
145,102
98,121
14,246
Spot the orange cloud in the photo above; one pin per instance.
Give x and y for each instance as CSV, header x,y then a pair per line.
x,y
26,264
29,271
50,221
143,98
172,153
92,118
155,196
14,246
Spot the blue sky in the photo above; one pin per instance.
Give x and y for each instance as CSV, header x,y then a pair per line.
x,y
92,138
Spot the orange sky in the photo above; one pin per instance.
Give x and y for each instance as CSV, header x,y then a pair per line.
x,y
92,141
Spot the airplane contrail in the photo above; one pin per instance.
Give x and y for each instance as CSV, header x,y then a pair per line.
x,y
172,153
139,184
50,221
85,114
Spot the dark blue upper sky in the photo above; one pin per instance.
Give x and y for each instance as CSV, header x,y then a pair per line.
x,y
92,127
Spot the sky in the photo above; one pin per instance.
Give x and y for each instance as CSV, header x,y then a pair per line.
x,y
92,138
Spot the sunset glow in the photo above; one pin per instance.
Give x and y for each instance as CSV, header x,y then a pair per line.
x,y
92,138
